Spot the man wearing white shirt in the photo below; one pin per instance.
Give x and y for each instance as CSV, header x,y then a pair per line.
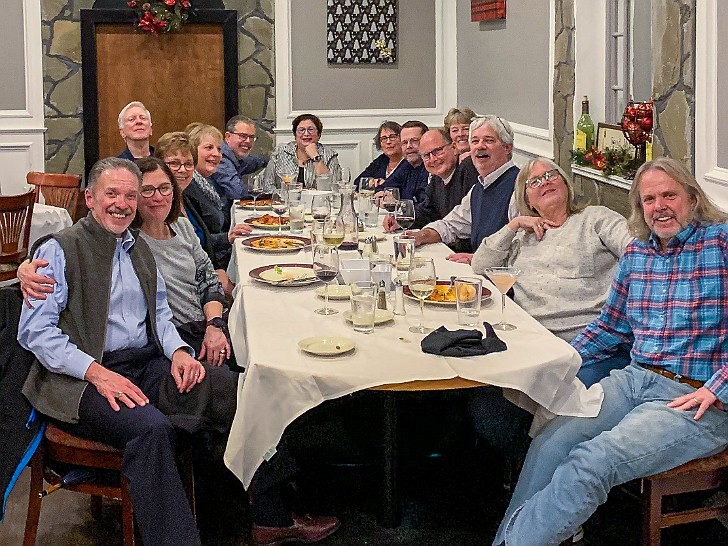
x,y
485,209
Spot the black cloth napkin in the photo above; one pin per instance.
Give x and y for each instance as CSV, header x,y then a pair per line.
x,y
443,342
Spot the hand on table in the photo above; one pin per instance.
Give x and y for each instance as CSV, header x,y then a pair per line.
x,y
461,258
215,347
538,225
115,387
701,398
238,230
389,223
33,285
187,371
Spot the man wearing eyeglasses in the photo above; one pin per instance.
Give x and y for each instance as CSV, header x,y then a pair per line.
x,y
489,204
230,179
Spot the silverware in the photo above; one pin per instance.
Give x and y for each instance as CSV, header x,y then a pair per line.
x,y
452,283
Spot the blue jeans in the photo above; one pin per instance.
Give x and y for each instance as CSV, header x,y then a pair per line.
x,y
594,373
574,462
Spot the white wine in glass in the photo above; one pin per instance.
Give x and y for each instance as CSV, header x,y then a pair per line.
x,y
422,281
334,231
503,278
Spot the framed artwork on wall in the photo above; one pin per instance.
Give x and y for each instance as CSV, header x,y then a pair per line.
x,y
361,32
611,136
487,10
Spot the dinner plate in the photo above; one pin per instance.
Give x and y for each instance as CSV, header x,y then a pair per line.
x,y
380,316
296,243
326,345
408,294
261,204
254,222
336,292
289,275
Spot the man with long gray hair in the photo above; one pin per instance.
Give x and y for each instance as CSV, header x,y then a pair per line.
x,y
666,408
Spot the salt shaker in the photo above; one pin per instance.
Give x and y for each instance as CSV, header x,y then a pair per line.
x,y
382,296
399,297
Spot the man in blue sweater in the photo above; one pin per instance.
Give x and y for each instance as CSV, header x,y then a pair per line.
x,y
486,207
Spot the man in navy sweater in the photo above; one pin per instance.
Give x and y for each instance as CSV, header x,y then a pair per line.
x,y
486,207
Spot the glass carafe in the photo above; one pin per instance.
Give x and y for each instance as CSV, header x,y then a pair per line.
x,y
349,217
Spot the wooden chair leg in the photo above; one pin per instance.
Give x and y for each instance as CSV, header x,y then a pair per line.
x,y
96,506
34,499
127,514
651,513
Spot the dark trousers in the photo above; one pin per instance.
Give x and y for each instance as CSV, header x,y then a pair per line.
x,y
147,438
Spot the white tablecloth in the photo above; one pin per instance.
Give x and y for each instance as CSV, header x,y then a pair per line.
x,y
47,220
281,382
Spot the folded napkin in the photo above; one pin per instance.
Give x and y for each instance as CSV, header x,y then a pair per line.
x,y
443,342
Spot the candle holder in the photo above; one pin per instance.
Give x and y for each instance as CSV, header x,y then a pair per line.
x,y
637,123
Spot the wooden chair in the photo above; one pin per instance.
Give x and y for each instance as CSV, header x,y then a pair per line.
x,y
16,212
59,190
61,447
698,475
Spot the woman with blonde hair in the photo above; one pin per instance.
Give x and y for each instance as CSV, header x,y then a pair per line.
x,y
457,124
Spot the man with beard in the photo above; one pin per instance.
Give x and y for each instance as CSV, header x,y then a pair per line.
x,y
485,209
667,407
135,127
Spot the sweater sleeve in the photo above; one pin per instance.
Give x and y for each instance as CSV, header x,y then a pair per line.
x,y
208,283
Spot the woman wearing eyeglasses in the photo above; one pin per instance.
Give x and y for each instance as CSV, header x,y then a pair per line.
x,y
303,158
390,165
567,253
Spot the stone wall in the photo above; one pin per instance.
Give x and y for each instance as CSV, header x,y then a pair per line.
x,y
673,79
62,94
564,82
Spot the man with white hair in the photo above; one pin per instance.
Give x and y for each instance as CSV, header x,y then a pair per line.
x,y
135,127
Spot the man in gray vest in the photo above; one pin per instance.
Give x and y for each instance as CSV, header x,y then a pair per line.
x,y
105,343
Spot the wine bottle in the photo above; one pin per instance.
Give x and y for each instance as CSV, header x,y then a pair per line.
x,y
584,134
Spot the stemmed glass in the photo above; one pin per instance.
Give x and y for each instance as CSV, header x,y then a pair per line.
x,y
326,267
404,213
422,281
390,198
334,231
287,178
320,207
279,205
503,278
255,188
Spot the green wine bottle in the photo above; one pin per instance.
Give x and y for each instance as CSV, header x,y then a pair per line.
x,y
584,134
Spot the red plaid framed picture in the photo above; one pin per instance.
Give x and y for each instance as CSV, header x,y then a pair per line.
x,y
487,10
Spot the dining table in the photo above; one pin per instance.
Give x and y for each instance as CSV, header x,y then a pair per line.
x,y
281,382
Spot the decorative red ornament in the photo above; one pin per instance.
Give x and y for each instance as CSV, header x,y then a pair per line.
x,y
170,2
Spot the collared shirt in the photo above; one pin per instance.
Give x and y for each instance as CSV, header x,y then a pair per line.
x,y
456,225
283,160
38,330
230,178
674,303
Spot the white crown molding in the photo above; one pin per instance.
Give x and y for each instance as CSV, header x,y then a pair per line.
x,y
445,78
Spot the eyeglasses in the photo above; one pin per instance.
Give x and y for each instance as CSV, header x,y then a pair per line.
x,y
388,138
148,191
245,136
176,166
410,141
536,181
435,152
307,130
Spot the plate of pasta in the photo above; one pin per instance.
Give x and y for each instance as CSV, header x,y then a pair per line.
x,y
276,243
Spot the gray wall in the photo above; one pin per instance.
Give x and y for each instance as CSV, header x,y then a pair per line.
x,y
12,59
320,86
641,50
503,66
722,67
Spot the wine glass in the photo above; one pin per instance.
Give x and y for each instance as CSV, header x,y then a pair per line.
x,y
287,178
320,207
503,278
334,231
255,188
390,198
279,205
326,267
422,281
404,213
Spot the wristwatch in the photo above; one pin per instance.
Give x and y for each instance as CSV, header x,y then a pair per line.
x,y
217,322
316,159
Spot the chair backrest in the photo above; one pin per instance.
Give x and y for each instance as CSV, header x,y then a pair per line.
x,y
16,212
59,190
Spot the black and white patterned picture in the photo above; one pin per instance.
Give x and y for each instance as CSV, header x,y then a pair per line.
x,y
361,31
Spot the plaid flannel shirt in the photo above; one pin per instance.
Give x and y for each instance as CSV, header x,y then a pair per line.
x,y
673,304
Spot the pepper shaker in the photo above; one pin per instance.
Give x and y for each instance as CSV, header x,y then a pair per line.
x,y
381,296
399,297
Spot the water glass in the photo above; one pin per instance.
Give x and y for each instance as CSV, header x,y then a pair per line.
x,y
363,305
381,270
317,232
468,291
404,249
296,214
323,182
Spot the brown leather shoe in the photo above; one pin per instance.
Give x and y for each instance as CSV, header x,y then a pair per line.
x,y
304,529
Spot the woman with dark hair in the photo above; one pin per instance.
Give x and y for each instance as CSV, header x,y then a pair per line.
x,y
390,165
303,158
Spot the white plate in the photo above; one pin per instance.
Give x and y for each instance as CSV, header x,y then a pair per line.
x,y
380,316
336,292
326,346
295,274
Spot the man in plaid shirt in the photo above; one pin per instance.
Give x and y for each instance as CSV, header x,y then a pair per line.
x,y
670,297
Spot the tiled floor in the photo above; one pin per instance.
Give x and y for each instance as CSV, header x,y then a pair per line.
x,y
442,504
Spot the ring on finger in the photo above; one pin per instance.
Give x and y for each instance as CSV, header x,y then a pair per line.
x,y
696,400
